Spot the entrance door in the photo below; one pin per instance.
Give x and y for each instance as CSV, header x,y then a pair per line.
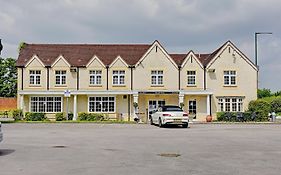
x,y
192,108
153,105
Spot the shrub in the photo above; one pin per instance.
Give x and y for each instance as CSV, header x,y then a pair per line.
x,y
232,116
82,116
70,116
90,116
60,116
261,108
35,116
227,116
17,114
264,93
276,105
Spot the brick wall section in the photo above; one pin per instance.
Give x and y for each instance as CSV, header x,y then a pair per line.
x,y
8,103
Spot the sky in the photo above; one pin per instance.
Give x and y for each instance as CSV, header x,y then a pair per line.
x,y
179,25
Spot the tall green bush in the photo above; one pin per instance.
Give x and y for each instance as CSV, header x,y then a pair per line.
x,y
276,105
261,108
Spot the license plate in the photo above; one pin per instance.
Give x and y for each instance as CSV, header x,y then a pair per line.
x,y
177,120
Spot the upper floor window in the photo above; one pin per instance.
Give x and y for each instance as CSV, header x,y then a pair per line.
x,y
230,104
191,78
157,77
118,77
95,77
34,77
229,78
60,77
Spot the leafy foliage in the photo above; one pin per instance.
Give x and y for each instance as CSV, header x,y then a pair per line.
x,y
17,114
21,46
60,116
276,105
264,93
233,116
35,116
90,116
8,77
278,93
261,108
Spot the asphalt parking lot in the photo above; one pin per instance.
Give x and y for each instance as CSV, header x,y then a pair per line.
x,y
84,149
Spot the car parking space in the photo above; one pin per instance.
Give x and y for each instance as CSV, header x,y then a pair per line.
x,y
30,149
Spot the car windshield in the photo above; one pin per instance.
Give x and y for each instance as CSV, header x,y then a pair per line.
x,y
171,108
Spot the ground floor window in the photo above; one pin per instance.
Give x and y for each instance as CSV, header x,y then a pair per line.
x,y
101,104
45,104
230,104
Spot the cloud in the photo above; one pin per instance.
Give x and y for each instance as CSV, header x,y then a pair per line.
x,y
180,25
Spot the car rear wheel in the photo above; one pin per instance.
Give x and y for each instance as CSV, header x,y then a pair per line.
x,y
185,125
160,123
151,121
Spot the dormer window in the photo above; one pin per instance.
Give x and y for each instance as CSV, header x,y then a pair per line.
x,y
95,77
35,77
156,77
118,77
60,77
191,78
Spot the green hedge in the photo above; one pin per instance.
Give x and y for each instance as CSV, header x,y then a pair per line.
x,y
232,116
90,116
35,116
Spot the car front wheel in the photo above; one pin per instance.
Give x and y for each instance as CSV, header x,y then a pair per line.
x,y
185,125
160,123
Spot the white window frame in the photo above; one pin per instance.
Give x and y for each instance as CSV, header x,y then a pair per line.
x,y
36,75
157,77
59,75
191,77
229,78
232,102
95,77
118,75
45,103
101,101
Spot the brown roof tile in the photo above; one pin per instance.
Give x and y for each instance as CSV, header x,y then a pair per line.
x,y
80,54
178,58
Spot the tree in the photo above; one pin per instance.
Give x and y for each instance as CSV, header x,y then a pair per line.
x,y
278,93
8,77
264,93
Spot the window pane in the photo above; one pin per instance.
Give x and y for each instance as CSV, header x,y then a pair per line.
x,y
122,79
98,79
233,80
160,79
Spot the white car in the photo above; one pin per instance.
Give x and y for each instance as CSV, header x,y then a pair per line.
x,y
1,134
169,115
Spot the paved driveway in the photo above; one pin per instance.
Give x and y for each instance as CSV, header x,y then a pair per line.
x,y
93,149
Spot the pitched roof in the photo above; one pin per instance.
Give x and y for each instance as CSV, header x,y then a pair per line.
x,y
80,54
178,58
